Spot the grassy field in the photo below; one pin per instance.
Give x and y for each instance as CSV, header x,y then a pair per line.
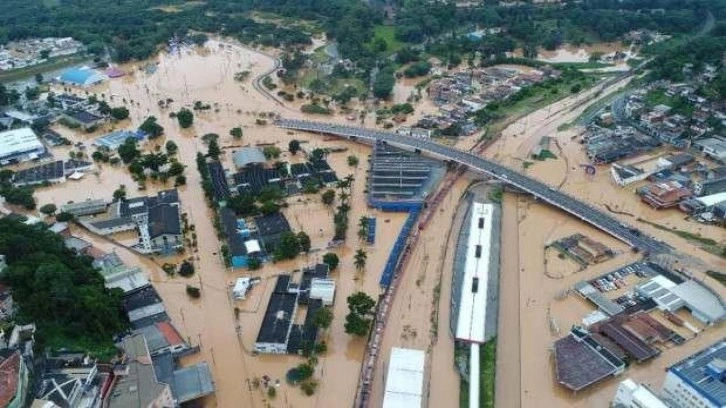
x,y
707,244
487,373
387,33
29,72
488,364
537,101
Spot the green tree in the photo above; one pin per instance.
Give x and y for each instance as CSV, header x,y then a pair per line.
x,y
323,317
213,150
271,152
151,127
120,193
185,118
236,132
39,78
171,147
317,154
175,169
193,292
361,304
294,146
59,290
328,197
357,325
359,259
128,150
304,241
186,269
352,161
242,204
332,260
32,93
64,217
119,113
363,227
288,247
48,209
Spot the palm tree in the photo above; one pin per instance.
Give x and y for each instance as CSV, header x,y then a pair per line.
x,y
363,227
360,259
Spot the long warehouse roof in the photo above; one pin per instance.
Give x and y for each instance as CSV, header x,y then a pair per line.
x,y
18,141
404,382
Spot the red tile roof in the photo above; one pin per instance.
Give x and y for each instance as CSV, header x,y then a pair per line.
x,y
170,333
9,371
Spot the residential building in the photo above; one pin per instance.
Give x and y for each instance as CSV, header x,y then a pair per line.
x,y
632,395
84,119
72,380
699,381
157,220
87,207
14,377
664,195
136,385
713,148
19,145
162,337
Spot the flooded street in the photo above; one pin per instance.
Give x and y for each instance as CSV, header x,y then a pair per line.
x,y
208,76
534,308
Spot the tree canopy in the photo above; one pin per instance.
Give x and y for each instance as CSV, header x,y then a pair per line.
x,y
58,289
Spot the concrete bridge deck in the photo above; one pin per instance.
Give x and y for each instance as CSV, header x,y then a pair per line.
x,y
599,219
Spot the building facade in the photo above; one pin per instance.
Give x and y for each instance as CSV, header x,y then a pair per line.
x,y
699,381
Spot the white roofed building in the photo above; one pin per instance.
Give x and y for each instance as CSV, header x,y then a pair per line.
x,y
632,395
19,145
405,378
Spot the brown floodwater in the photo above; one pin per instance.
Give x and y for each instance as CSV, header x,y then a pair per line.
x,y
225,340
210,322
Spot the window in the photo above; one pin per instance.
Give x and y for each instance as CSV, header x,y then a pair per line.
x,y
475,285
477,252
481,222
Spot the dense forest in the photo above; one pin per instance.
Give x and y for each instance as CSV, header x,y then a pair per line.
x,y
58,290
134,29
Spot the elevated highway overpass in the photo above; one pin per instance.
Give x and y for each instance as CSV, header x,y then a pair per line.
x,y
597,218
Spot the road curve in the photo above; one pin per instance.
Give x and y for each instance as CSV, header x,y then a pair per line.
x,y
599,219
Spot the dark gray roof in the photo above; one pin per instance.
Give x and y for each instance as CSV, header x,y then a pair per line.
x,y
83,116
155,339
714,186
704,372
164,219
278,316
142,298
235,242
192,382
138,387
271,226
38,174
110,223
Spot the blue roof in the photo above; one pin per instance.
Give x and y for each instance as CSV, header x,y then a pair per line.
x,y
705,373
80,76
